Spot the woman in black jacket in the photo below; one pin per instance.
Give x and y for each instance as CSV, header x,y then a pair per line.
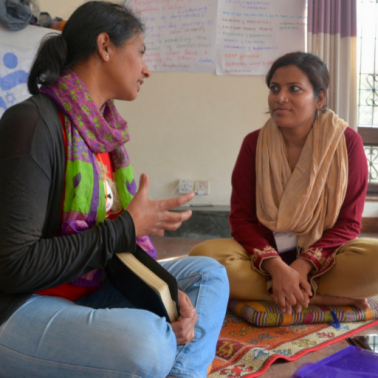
x,y
69,203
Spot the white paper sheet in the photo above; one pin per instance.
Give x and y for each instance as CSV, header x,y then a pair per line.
x,y
180,34
252,34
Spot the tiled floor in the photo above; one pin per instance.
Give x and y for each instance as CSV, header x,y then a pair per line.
x,y
169,247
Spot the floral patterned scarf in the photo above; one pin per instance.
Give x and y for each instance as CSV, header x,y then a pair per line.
x,y
90,131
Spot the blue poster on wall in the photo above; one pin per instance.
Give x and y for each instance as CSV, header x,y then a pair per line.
x,y
15,63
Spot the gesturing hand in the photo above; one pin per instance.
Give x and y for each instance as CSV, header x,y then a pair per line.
x,y
183,328
152,217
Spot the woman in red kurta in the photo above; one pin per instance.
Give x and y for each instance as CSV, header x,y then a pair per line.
x,y
298,192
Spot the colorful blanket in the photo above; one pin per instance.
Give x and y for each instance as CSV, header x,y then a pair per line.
x,y
244,350
265,314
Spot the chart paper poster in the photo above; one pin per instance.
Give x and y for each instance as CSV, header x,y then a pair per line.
x,y
252,34
180,34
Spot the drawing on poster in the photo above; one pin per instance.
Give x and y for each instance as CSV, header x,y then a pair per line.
x,y
15,63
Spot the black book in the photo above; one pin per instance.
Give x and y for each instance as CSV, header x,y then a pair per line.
x,y
145,283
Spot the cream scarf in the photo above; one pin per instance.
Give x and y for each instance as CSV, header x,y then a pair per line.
x,y
306,201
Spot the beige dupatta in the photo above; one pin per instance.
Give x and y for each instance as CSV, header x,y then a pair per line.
x,y
306,201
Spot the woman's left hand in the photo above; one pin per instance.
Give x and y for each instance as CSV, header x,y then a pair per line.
x,y
303,267
184,326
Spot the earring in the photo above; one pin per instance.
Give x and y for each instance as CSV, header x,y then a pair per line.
x,y
107,57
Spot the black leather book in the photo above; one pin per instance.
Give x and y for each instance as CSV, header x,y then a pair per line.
x,y
145,283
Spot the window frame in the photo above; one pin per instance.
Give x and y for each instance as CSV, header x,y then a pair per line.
x,y
368,133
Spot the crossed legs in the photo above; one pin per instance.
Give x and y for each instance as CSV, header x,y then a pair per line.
x,y
352,279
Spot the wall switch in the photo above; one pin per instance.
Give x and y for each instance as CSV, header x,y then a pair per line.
x,y
201,187
185,186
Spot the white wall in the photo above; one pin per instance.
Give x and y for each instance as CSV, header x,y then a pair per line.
x,y
370,210
191,126
59,8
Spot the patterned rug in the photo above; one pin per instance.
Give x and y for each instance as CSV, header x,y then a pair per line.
x,y
247,351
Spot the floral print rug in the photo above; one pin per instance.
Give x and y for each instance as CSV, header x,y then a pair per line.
x,y
244,350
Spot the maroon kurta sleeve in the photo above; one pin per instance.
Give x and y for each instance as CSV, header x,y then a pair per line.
x,y
256,239
348,224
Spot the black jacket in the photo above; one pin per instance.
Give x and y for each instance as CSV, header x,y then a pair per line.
x,y
32,168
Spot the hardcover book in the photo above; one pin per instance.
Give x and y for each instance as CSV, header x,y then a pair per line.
x,y
145,283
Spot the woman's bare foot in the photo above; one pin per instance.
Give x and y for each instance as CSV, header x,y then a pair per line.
x,y
329,300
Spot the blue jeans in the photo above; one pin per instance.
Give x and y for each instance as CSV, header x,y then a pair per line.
x,y
101,336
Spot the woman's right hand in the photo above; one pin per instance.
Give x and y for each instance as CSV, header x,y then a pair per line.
x,y
153,217
290,289
183,328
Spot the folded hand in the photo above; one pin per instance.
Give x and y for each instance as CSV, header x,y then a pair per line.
x,y
290,288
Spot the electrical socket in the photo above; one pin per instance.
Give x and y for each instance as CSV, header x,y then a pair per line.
x,y
185,186
202,187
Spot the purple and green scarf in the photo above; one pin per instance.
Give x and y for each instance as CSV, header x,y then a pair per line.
x,y
90,131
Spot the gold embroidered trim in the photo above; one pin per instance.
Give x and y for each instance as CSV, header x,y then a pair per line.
x,y
315,254
314,280
326,263
258,253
